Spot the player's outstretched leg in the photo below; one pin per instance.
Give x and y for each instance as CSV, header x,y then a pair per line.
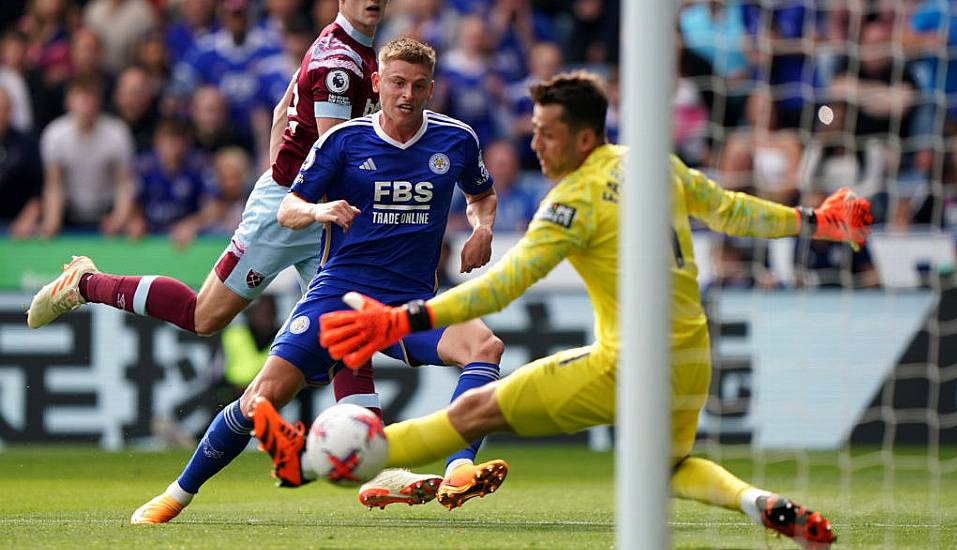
x,y
283,441
160,297
702,480
464,479
225,438
62,295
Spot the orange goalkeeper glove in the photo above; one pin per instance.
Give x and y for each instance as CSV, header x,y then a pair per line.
x,y
842,217
354,336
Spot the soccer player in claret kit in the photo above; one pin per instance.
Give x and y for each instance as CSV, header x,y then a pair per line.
x,y
333,84
575,389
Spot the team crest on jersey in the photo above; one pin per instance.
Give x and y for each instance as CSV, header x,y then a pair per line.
x,y
299,324
254,279
558,213
439,163
337,81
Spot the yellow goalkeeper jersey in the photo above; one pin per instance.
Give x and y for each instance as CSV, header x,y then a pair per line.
x,y
578,221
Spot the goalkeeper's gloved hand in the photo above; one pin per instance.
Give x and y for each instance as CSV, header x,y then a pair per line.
x,y
841,217
354,336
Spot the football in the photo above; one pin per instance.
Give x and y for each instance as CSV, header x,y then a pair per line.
x,y
346,445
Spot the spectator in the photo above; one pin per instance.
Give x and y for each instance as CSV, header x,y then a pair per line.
x,y
151,55
545,61
229,59
466,87
324,12
424,20
594,35
48,43
86,61
21,175
119,23
715,33
763,157
883,100
87,159
173,186
13,49
196,20
135,102
513,28
212,126
517,196
779,45
278,14
233,171
276,71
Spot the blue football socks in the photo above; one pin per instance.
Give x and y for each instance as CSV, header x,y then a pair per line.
x,y
473,375
225,438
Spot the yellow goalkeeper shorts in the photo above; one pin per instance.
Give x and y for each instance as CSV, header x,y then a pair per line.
x,y
575,389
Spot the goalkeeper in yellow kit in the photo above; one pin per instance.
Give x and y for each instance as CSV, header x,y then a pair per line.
x,y
575,389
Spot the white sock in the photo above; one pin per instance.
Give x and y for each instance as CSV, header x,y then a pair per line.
x,y
455,464
179,494
749,503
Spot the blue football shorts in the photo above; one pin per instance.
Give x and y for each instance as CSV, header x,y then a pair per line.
x,y
298,341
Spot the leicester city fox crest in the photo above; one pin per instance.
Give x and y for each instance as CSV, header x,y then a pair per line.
x,y
439,163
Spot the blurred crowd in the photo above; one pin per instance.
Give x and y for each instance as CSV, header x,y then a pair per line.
x,y
132,117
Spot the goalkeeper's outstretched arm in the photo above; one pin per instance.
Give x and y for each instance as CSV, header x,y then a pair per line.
x,y
842,217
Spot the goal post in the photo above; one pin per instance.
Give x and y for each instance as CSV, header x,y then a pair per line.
x,y
642,469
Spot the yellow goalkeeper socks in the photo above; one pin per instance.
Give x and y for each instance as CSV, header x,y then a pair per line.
x,y
704,481
422,440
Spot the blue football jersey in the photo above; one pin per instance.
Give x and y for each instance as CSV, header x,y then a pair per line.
x,y
403,190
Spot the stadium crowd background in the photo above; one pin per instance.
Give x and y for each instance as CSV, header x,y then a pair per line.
x,y
174,100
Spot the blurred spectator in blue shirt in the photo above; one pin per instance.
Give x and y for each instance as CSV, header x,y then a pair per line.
x,y
514,27
229,59
780,45
276,71
517,196
195,20
173,184
544,62
21,175
466,87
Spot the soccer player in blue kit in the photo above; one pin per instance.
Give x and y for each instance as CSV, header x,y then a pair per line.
x,y
393,174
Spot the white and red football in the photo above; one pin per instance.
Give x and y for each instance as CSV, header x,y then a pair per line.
x,y
346,445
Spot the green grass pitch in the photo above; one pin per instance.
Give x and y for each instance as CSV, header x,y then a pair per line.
x,y
554,497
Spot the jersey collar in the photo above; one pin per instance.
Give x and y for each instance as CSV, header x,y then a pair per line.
x,y
352,32
377,126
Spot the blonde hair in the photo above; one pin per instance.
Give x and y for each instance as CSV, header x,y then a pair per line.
x,y
409,50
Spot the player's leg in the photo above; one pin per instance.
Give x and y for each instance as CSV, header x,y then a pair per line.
x,y
477,351
161,297
705,481
562,393
226,437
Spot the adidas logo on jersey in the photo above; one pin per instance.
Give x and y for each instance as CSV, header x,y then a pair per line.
x,y
369,164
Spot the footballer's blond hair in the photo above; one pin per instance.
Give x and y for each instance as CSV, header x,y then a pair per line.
x,y
409,50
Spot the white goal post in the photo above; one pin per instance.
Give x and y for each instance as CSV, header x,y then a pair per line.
x,y
642,471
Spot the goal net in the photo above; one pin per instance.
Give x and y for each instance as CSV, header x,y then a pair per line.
x,y
835,371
